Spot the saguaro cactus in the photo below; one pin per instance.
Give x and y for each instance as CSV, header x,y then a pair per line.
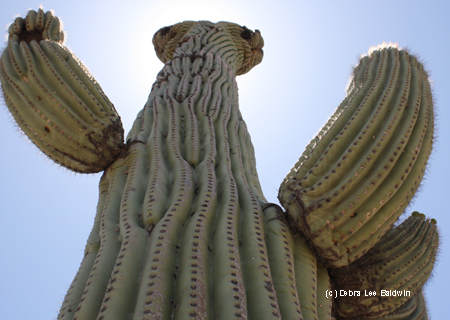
x,y
182,228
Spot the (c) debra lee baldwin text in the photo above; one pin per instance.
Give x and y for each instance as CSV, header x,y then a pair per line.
x,y
367,293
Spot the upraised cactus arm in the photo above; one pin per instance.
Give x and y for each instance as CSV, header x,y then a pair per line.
x,y
358,175
53,98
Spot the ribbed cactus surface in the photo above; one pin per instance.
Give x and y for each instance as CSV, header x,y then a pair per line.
x,y
359,173
413,309
182,229
57,104
400,263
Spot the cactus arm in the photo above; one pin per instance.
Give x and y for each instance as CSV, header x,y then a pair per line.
x,y
402,260
358,185
405,311
81,81
54,100
365,123
278,236
362,85
420,313
41,81
413,309
414,159
361,160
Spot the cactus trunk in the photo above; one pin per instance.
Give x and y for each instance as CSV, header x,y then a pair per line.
x,y
180,228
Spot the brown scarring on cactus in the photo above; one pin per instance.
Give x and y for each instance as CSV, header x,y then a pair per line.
x,y
182,228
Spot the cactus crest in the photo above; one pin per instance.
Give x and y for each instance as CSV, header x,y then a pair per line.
x,y
247,43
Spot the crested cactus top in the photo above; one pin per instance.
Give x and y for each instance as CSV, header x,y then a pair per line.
x,y
246,45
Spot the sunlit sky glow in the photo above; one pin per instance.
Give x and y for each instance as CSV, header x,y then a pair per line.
x,y
310,50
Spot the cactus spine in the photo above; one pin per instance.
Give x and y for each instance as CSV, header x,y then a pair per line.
x,y
182,229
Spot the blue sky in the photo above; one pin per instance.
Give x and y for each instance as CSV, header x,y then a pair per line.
x,y
310,49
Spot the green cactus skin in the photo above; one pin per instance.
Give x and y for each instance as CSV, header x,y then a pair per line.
x,y
299,280
312,282
402,260
413,309
53,99
182,229
358,175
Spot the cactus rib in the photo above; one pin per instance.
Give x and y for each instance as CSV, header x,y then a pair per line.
x,y
282,262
